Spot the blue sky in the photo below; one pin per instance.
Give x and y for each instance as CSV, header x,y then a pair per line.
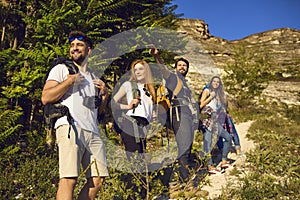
x,y
236,19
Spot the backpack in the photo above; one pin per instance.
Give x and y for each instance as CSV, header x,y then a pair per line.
x,y
163,102
55,110
73,69
164,97
201,93
205,87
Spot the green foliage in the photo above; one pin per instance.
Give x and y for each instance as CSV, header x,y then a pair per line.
x,y
21,83
33,177
9,132
274,164
293,113
36,32
247,76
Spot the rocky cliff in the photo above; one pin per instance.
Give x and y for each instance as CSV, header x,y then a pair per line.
x,y
281,45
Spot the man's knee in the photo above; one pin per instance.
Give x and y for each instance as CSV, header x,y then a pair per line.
x,y
68,182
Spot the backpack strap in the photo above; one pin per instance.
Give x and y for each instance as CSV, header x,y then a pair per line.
x,y
176,91
178,87
73,69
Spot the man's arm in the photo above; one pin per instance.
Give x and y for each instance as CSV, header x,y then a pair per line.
x,y
103,105
118,96
53,90
103,94
164,70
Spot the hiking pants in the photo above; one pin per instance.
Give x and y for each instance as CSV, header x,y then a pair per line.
x,y
207,146
235,136
184,134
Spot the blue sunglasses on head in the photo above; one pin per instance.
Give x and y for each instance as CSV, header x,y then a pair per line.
x,y
80,38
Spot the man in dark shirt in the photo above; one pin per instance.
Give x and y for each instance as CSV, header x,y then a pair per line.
x,y
183,115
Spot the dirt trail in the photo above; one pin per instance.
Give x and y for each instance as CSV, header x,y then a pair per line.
x,y
218,182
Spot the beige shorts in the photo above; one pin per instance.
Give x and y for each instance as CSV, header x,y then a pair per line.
x,y
80,147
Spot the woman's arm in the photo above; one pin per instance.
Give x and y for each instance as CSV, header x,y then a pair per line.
x,y
121,93
206,97
117,97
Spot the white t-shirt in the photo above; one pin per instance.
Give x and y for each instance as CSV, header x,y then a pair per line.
x,y
83,117
145,108
213,104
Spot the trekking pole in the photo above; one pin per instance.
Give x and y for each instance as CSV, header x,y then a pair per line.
x,y
168,139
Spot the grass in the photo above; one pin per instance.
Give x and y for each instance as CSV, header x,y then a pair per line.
x,y
275,169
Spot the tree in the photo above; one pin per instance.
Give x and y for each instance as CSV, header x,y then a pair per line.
x,y
41,29
33,33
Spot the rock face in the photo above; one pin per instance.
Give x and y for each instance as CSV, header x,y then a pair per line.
x,y
196,28
282,45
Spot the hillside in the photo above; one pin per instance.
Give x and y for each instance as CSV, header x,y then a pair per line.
x,y
282,45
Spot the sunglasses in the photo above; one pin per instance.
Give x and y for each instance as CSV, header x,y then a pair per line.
x,y
80,38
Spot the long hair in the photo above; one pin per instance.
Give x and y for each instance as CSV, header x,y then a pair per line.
x,y
149,85
219,91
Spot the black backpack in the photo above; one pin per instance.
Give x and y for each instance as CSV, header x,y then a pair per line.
x,y
54,111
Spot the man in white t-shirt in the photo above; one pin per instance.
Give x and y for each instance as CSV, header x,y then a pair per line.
x,y
79,142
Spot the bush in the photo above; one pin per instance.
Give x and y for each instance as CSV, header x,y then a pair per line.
x,y
32,177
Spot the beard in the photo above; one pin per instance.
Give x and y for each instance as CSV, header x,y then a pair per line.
x,y
182,72
78,59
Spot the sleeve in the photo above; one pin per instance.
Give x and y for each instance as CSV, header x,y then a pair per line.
x,y
171,82
58,73
127,86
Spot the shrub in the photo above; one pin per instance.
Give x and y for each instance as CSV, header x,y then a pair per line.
x,y
32,177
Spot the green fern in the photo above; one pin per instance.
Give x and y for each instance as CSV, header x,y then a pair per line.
x,y
9,131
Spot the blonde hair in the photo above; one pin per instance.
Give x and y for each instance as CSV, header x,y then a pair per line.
x,y
149,85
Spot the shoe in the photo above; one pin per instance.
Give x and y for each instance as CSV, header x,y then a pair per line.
x,y
226,165
215,171
238,150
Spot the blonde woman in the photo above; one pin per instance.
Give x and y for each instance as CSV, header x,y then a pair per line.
x,y
140,94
